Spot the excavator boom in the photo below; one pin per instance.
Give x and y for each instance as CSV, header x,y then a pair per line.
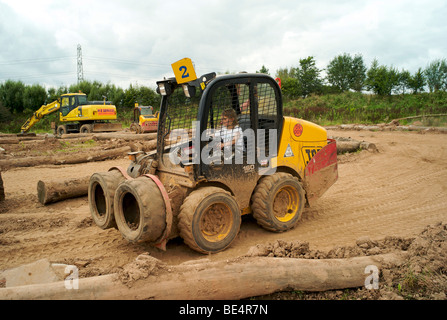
x,y
39,114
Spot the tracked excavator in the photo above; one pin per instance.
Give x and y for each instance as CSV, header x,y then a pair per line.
x,y
77,115
192,188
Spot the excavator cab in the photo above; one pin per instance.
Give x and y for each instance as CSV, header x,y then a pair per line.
x,y
70,102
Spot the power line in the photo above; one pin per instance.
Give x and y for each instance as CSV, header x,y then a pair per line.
x,y
137,63
11,77
116,75
35,60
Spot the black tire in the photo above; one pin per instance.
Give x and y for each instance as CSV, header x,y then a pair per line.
x,y
101,191
209,219
278,202
62,129
86,128
140,211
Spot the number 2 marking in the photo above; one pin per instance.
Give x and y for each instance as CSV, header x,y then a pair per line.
x,y
184,75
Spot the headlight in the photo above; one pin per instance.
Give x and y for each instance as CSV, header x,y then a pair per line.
x,y
162,88
189,91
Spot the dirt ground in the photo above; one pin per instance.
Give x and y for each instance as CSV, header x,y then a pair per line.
x,y
398,192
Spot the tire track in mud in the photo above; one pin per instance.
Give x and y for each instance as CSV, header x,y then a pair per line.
x,y
395,192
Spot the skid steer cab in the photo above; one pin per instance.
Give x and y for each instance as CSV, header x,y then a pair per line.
x,y
224,149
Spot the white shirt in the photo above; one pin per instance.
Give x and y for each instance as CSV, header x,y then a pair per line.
x,y
227,135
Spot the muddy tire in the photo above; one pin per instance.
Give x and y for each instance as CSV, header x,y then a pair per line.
x,y
140,211
62,129
101,191
86,128
209,219
278,202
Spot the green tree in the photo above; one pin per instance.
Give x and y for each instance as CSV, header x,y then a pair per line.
x,y
358,73
11,95
436,75
339,72
403,81
263,70
417,81
381,79
54,94
34,97
130,97
98,91
284,73
148,97
291,88
308,76
116,95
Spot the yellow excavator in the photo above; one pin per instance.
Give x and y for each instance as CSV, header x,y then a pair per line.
x,y
77,115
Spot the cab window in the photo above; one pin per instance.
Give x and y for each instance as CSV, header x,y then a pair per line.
x,y
65,106
82,100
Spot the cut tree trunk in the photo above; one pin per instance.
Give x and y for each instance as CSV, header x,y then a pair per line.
x,y
9,141
243,277
57,190
347,146
111,135
350,145
66,159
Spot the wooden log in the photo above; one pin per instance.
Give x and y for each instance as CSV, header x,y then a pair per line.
x,y
239,278
97,156
57,190
111,135
128,136
347,146
350,145
9,141
28,138
65,159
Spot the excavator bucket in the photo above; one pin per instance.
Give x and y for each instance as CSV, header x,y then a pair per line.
x,y
321,172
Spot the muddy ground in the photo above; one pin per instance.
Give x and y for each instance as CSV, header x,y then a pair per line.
x,y
392,199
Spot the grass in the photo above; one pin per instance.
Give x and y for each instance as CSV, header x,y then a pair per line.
x,y
353,107
71,147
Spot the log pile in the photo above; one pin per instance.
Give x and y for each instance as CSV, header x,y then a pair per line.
x,y
145,142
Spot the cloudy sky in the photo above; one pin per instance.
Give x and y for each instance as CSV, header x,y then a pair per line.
x,y
135,41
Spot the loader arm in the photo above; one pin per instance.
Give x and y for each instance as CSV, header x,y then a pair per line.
x,y
39,114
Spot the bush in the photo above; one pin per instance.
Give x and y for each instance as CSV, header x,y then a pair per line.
x,y
354,107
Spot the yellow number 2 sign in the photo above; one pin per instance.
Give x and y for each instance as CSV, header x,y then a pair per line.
x,y
184,71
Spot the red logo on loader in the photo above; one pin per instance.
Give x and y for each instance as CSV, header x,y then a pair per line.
x,y
298,130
